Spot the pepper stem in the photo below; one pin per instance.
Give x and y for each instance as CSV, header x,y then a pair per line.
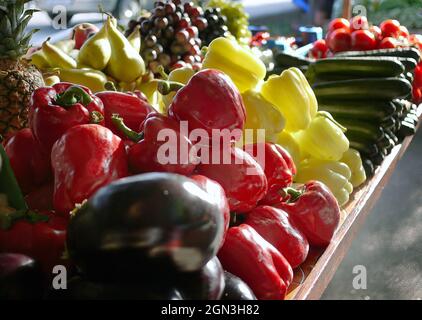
x,y
128,132
8,219
165,87
110,86
96,117
162,72
72,95
293,193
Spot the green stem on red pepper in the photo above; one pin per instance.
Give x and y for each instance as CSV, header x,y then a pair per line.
x,y
165,87
129,133
96,117
293,193
72,95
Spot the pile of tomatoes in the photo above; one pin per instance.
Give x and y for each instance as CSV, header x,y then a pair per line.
x,y
357,34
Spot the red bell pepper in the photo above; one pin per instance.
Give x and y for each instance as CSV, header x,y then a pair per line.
x,y
30,164
210,100
86,158
250,257
218,194
278,166
54,110
314,210
154,153
41,199
129,106
40,236
242,179
274,226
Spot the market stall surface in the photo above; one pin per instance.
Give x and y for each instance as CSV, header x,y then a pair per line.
x,y
389,245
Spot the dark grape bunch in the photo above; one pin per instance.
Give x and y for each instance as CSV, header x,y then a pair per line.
x,y
174,32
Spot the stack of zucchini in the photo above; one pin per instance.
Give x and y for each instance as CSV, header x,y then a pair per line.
x,y
369,93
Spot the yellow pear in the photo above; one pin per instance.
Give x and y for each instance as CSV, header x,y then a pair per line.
x,y
125,63
96,51
135,38
57,57
93,79
39,59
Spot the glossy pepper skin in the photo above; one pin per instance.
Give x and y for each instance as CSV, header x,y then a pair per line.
x,y
30,164
291,93
236,289
40,236
274,226
239,64
54,110
216,191
130,107
209,101
315,211
354,161
160,147
278,166
242,179
261,114
84,159
324,139
163,222
334,174
250,257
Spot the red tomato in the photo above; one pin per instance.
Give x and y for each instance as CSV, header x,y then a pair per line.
x,y
416,40
339,40
390,28
376,32
338,23
404,32
388,43
319,50
363,40
359,23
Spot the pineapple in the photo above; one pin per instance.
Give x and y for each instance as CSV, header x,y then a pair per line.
x,y
18,78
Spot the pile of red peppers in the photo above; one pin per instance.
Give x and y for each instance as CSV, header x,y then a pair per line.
x,y
78,142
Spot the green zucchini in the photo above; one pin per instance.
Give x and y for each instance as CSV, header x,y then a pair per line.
x,y
366,150
391,135
358,66
385,142
408,63
397,52
406,129
369,167
282,59
389,123
366,109
378,158
372,130
363,89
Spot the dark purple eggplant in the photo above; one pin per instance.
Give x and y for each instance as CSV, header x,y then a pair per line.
x,y
236,289
154,223
82,289
21,277
207,284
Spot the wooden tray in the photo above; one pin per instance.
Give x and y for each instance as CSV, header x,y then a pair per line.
x,y
313,277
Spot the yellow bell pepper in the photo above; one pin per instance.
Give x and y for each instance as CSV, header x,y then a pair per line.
x,y
352,158
260,114
334,174
324,138
237,62
288,142
181,75
291,93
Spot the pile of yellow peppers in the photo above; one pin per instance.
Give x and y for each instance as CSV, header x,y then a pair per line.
x,y
286,107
